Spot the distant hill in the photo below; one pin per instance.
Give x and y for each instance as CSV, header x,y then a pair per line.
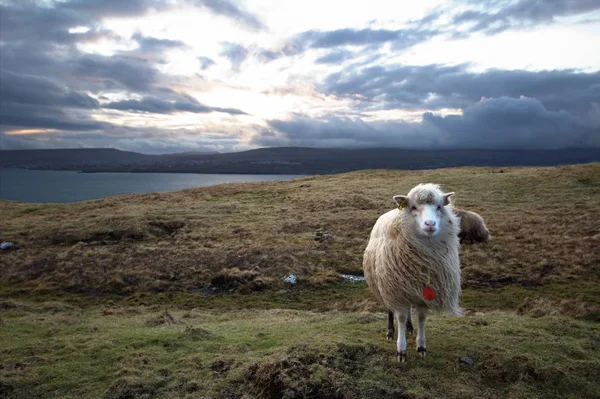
x,y
287,160
69,159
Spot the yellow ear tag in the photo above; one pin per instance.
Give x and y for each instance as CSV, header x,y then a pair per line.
x,y
402,205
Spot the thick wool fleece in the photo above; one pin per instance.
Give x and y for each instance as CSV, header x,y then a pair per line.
x,y
472,226
398,260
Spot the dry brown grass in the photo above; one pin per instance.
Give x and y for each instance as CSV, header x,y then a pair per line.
x,y
544,224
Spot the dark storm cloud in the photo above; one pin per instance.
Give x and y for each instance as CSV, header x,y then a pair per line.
x,y
501,123
32,90
32,116
130,73
160,106
499,16
342,131
515,123
35,102
436,86
235,53
231,10
47,82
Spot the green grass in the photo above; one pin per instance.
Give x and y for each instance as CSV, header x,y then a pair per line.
x,y
57,350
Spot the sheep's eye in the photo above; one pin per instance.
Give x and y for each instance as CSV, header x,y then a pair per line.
x,y
413,208
439,207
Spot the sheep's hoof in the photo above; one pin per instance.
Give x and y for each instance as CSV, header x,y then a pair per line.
x,y
390,334
422,351
401,357
409,328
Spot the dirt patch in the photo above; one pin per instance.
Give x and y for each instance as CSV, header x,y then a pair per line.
x,y
480,279
6,305
129,388
167,226
498,369
6,389
221,366
107,236
234,279
35,269
304,372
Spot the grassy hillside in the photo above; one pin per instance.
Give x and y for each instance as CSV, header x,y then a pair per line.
x,y
181,294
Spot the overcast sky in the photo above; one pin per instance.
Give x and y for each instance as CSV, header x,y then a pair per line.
x,y
222,75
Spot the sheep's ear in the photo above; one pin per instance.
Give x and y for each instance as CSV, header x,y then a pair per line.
x,y
401,200
447,198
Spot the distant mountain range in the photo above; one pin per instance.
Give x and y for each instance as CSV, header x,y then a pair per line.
x,y
286,160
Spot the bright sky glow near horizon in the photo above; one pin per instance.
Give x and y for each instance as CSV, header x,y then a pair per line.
x,y
158,76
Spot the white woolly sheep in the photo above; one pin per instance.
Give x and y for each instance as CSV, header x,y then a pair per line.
x,y
412,259
472,227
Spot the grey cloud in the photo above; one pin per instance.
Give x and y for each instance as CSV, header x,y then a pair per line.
x,y
32,90
498,16
46,78
112,8
490,17
35,102
42,22
335,57
160,106
400,38
205,63
350,37
341,131
152,44
24,22
132,73
269,55
236,54
368,38
33,116
231,10
501,123
436,86
511,123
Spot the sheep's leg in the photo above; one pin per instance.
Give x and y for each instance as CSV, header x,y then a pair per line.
x,y
390,330
401,316
410,330
421,346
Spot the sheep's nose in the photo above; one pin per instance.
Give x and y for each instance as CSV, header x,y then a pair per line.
x,y
430,223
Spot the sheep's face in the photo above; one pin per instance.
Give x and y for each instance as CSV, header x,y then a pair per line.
x,y
424,206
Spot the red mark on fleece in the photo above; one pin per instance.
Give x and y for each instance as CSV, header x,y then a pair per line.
x,y
428,293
